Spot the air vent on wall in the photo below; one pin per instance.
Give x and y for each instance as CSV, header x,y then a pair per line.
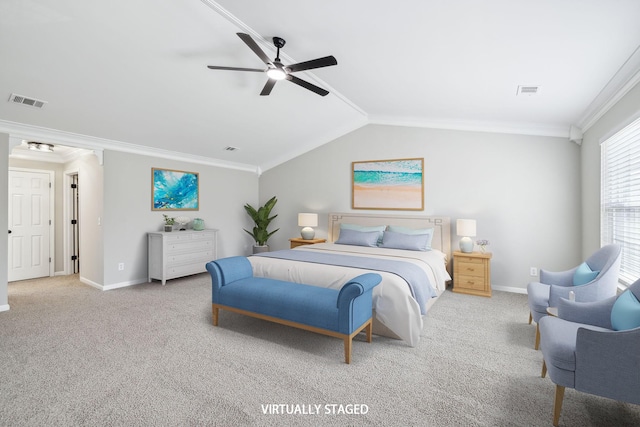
x,y
528,90
32,102
230,148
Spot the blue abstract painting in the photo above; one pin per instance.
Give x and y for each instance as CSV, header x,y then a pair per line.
x,y
174,190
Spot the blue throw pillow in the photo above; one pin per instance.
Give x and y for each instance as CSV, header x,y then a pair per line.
x,y
584,274
358,238
407,230
379,228
411,242
625,313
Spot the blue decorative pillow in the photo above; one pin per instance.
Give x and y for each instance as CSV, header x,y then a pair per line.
x,y
358,238
584,274
407,230
625,313
379,228
411,242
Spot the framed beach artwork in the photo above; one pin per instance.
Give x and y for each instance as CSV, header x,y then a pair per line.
x,y
173,190
388,184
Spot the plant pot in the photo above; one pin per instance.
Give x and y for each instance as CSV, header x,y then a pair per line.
x,y
168,228
260,249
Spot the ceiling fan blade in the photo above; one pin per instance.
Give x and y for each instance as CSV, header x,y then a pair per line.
x,y
307,85
215,67
254,47
314,63
266,90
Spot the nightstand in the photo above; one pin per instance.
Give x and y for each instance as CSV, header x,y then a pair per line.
x,y
297,241
472,273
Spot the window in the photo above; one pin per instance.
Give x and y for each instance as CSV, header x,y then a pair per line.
x,y
620,203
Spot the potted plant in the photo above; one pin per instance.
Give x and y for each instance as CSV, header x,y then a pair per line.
x,y
262,220
168,222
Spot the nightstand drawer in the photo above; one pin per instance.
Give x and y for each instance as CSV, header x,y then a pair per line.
x,y
471,282
471,267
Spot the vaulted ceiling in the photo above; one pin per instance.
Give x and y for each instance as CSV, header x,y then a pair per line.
x,y
133,74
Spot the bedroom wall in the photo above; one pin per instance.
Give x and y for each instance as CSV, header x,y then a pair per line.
x,y
524,191
4,219
621,114
128,216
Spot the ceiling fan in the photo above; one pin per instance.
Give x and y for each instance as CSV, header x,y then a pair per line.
x,y
276,70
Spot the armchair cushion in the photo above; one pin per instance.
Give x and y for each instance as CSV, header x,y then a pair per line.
x,y
625,313
584,274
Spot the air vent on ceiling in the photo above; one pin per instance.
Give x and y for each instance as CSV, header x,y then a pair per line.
x,y
230,148
32,102
528,90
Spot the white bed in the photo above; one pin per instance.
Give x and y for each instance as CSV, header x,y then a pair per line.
x,y
396,313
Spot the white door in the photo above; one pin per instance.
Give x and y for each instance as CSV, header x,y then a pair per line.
x,y
29,225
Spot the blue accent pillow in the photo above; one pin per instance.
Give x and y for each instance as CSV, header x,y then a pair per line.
x,y
358,238
411,242
407,230
584,274
625,313
379,228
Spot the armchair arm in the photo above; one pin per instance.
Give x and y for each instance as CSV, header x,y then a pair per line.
x,y
608,364
560,278
352,310
590,313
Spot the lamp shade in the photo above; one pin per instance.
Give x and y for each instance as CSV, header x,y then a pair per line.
x,y
466,227
307,220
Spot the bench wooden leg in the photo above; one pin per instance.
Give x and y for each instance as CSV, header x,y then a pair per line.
x,y
369,330
347,349
557,404
215,315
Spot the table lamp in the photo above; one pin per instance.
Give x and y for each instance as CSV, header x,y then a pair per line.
x,y
467,229
307,220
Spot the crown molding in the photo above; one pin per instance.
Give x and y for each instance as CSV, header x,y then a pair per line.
x,y
19,131
627,76
536,129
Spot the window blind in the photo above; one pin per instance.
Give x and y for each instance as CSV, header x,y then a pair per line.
x,y
620,198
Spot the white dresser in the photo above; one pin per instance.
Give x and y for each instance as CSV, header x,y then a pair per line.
x,y
180,253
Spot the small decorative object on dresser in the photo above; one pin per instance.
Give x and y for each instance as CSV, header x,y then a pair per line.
x,y
198,224
482,244
472,273
183,221
168,223
297,241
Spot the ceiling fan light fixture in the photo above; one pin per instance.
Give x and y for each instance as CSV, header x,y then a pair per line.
x,y
276,74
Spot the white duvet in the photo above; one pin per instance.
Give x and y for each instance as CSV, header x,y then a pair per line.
x,y
393,304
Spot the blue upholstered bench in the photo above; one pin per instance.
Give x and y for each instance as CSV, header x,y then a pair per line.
x,y
338,313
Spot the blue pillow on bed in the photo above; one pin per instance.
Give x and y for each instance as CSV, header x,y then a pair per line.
x,y
407,230
411,242
357,238
379,228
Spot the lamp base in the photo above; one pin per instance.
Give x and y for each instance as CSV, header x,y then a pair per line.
x,y
466,245
308,233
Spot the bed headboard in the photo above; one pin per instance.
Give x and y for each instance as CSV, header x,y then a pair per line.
x,y
440,224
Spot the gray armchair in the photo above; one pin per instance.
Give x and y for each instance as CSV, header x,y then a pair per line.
x,y
582,350
553,286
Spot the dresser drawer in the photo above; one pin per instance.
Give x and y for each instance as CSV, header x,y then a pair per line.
x,y
471,273
188,246
189,258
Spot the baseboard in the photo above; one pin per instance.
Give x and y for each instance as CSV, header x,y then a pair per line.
x,y
510,289
4,307
112,286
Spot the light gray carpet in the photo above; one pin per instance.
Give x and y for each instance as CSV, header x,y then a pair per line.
x,y
148,355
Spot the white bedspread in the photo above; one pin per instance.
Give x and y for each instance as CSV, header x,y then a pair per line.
x,y
393,303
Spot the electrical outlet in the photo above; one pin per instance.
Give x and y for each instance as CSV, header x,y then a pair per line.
x,y
121,266
533,271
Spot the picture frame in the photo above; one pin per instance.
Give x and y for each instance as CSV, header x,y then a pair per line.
x,y
396,184
174,190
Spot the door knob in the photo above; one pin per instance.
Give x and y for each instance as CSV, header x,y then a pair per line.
x,y
9,231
